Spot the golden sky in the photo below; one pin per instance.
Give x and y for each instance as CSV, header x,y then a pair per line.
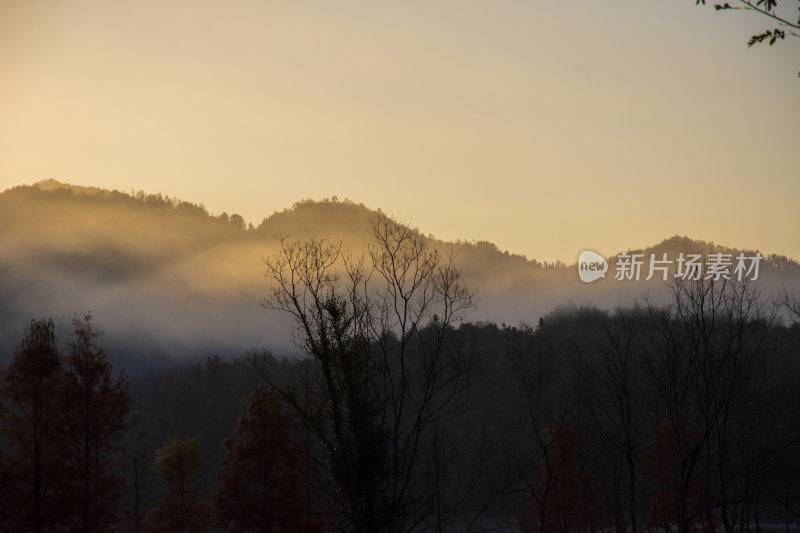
x,y
545,127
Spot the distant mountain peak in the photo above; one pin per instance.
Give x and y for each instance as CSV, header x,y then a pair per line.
x,y
340,216
145,262
51,184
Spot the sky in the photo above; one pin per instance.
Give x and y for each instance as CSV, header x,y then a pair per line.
x,y
544,127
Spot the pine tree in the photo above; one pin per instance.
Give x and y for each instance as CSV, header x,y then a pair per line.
x,y
261,485
94,420
181,509
33,472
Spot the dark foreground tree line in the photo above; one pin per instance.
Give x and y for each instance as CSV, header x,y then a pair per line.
x,y
63,418
680,415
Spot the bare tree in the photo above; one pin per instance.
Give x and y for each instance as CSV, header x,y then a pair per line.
x,y
704,347
611,392
386,365
792,304
783,16
544,464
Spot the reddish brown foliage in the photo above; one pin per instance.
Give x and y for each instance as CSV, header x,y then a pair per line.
x,y
261,486
63,420
562,496
94,409
668,468
33,474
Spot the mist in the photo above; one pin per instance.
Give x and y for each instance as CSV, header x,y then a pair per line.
x,y
166,280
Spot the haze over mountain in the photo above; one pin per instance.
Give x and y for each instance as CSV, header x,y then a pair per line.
x,y
166,278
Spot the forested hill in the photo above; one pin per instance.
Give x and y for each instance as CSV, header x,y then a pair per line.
x,y
166,278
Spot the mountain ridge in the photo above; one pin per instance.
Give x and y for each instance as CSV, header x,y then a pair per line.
x,y
168,276
312,211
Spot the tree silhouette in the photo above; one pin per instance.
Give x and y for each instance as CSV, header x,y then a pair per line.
x,y
33,473
382,370
664,467
180,510
93,417
705,348
783,18
562,496
261,486
614,398
532,356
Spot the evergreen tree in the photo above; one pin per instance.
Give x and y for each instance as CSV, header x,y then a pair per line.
x,y
95,406
181,509
33,472
261,485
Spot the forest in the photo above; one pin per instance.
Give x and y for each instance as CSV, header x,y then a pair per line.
x,y
404,416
